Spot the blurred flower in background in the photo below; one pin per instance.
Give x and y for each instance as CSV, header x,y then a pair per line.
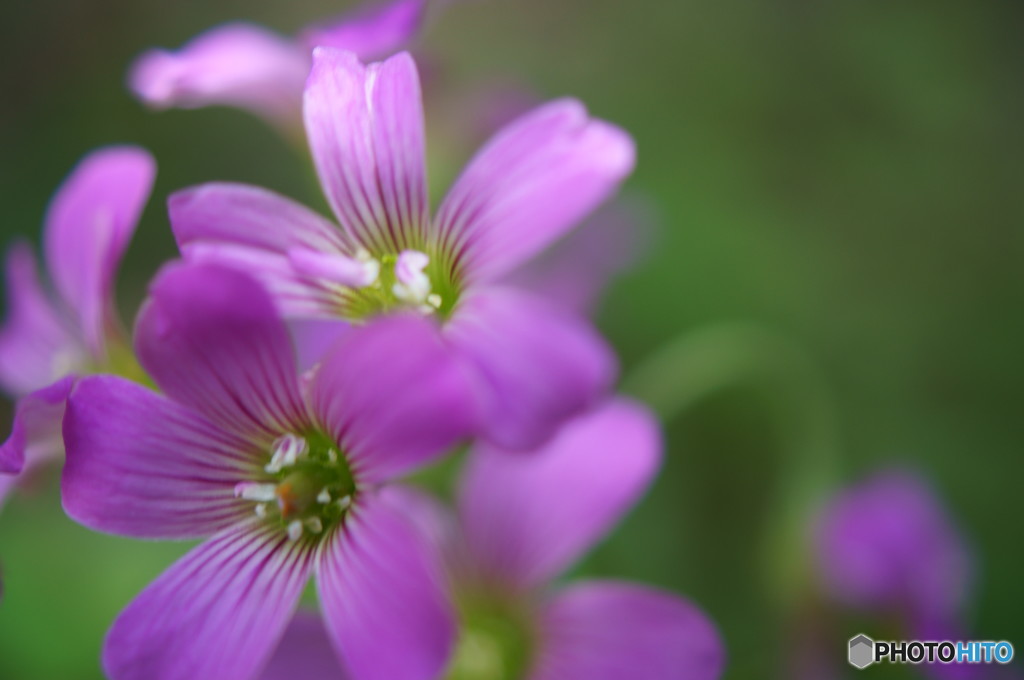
x,y
888,546
48,341
252,68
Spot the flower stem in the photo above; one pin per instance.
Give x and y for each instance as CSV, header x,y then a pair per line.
x,y
728,356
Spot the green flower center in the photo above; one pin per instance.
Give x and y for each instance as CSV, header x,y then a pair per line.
x,y
306,487
411,279
496,641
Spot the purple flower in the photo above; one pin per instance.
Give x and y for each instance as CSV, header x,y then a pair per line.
x,y
251,68
47,340
536,364
284,476
523,520
887,545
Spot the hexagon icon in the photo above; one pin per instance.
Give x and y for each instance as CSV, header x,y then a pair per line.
x,y
862,651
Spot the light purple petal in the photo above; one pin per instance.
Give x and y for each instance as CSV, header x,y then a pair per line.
x,y
888,544
383,596
211,338
365,129
537,364
240,214
139,464
434,520
610,631
373,31
574,272
254,230
304,653
394,395
36,431
294,294
88,226
527,517
36,345
239,65
313,338
529,185
218,612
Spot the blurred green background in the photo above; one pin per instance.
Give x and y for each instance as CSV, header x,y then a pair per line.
x,y
844,175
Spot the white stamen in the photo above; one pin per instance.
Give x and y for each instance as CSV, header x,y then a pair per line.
x,y
287,450
314,525
412,284
254,491
344,502
261,510
371,267
332,455
294,530
324,497
434,300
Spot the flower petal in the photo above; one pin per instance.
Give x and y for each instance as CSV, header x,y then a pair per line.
x,y
304,652
365,129
88,226
394,395
217,612
295,295
139,464
210,337
223,212
239,65
608,631
373,31
528,517
537,365
574,272
36,431
383,596
35,343
529,185
313,338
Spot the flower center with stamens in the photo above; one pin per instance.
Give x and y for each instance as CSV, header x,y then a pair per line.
x,y
306,486
367,286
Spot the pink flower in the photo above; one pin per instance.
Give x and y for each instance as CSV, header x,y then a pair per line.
x,y
536,363
252,68
522,520
284,476
48,340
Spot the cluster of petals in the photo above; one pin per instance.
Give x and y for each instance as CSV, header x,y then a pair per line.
x,y
521,521
181,465
280,446
52,336
536,363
